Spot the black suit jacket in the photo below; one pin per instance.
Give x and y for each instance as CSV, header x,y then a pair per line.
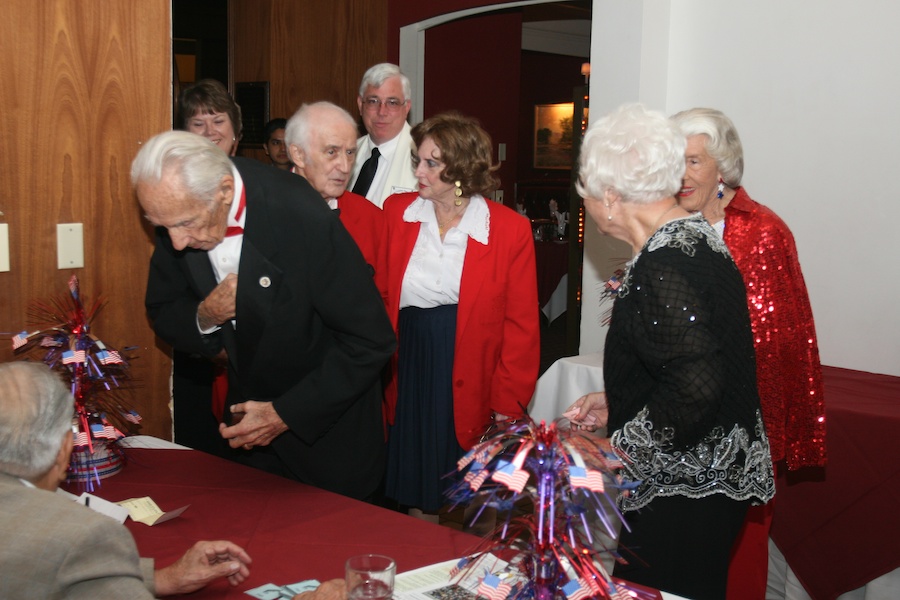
x,y
312,334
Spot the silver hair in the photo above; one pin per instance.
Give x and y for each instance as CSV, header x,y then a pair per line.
x,y
723,142
635,152
36,410
198,163
299,127
377,75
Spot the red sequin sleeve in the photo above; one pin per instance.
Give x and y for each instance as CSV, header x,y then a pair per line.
x,y
788,371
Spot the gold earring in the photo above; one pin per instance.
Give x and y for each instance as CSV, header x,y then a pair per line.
x,y
458,191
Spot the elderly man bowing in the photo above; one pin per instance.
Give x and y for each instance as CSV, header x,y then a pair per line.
x,y
242,268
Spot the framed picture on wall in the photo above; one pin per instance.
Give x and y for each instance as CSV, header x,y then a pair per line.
x,y
553,135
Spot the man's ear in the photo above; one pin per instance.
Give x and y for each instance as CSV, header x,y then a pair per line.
x,y
226,189
298,156
61,464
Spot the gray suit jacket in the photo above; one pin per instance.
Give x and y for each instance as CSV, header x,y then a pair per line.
x,y
55,548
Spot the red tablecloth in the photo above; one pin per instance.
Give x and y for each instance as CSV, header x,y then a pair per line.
x,y
840,529
293,532
552,262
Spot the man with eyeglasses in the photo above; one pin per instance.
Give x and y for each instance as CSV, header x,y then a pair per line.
x,y
383,164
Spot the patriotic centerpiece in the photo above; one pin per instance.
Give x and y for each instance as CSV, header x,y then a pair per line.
x,y
97,374
550,553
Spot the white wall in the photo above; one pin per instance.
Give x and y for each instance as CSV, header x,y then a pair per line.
x,y
813,87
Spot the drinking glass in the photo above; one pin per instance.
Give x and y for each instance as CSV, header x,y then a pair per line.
x,y
370,577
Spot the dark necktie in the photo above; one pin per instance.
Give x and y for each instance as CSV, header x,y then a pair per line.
x,y
367,173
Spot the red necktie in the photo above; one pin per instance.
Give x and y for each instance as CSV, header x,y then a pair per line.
x,y
242,204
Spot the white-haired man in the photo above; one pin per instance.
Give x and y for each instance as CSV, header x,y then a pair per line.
x,y
56,548
321,140
251,262
384,164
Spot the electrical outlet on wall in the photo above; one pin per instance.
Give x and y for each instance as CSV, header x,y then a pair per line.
x,y
498,196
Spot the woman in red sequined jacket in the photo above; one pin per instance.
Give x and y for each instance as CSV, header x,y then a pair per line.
x,y
789,375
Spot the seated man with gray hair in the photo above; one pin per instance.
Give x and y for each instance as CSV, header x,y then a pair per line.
x,y
321,141
56,548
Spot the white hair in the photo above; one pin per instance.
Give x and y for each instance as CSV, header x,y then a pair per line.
x,y
299,127
635,152
36,410
377,75
723,143
198,163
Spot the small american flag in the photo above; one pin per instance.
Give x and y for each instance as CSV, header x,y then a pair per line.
x,y
19,340
132,417
458,567
478,454
492,588
104,431
73,286
476,476
511,476
111,357
50,342
82,439
581,477
574,590
73,356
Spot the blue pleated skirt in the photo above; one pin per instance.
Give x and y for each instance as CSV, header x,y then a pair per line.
x,y
422,445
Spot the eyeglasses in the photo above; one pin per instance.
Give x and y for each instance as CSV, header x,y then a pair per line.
x,y
391,104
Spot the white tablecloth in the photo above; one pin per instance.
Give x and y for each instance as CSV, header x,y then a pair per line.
x,y
567,380
558,302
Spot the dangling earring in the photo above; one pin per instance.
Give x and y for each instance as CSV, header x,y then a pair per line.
x,y
608,212
458,192
721,193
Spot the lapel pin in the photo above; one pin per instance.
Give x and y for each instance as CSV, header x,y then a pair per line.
x,y
265,281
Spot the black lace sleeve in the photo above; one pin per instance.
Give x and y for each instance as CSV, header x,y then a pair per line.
x,y
675,337
679,343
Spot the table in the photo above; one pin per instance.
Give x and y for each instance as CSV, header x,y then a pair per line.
x,y
839,529
292,531
552,262
563,383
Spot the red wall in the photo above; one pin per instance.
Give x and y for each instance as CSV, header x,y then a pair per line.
x,y
404,12
472,65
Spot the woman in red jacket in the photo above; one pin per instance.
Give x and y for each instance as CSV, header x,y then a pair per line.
x,y
458,275
788,372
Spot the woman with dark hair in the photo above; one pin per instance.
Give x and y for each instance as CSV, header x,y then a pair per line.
x,y
458,275
206,108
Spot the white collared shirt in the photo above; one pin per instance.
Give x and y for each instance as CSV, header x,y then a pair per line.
x,y
226,257
434,271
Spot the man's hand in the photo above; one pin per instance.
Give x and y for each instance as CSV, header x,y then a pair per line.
x,y
218,307
201,564
589,412
334,589
259,424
